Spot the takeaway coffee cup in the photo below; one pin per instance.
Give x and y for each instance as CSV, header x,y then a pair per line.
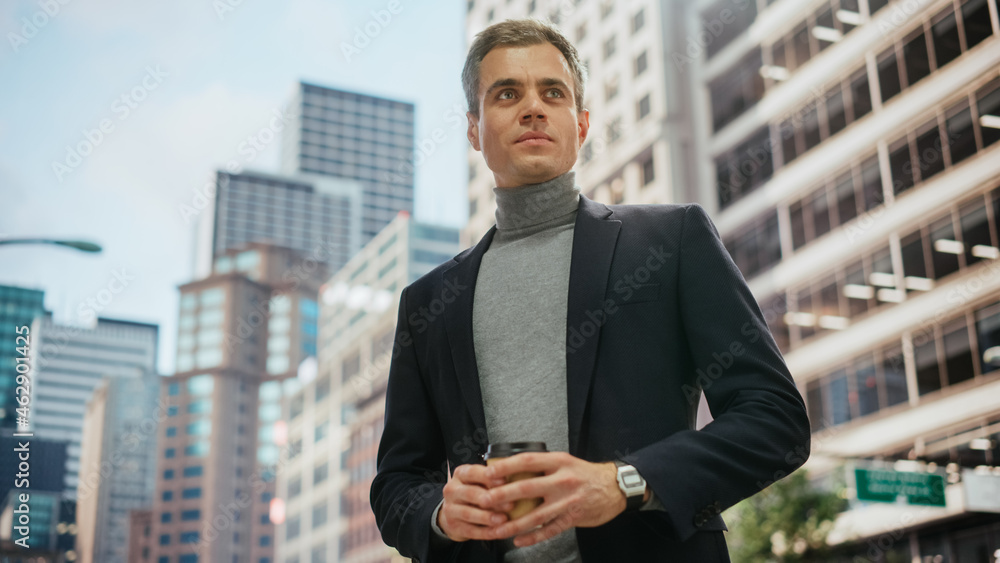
x,y
506,449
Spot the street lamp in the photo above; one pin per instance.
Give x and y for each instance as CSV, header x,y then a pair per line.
x,y
81,245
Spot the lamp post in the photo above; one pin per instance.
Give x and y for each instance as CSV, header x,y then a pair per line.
x,y
81,245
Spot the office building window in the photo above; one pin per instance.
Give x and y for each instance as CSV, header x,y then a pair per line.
x,y
641,64
917,64
638,20
648,171
188,537
188,515
292,527
642,108
319,514
731,18
757,247
745,168
976,20
737,91
609,47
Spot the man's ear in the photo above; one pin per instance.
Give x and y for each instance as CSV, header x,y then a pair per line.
x,y
473,132
583,123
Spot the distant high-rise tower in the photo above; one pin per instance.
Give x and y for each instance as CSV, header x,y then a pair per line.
x,y
117,465
317,216
69,363
243,332
359,137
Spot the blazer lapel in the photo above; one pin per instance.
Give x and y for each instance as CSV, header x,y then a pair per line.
x,y
458,326
594,240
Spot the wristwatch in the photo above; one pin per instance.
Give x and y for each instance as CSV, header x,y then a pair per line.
x,y
632,484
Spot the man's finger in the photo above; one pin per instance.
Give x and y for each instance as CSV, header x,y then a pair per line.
x,y
534,487
548,531
471,473
473,515
470,531
471,494
543,462
537,517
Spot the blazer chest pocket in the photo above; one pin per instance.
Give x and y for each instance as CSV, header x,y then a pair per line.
x,y
624,294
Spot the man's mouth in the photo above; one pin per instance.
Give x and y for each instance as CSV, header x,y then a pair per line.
x,y
534,138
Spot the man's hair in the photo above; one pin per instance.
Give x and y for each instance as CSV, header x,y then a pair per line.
x,y
519,33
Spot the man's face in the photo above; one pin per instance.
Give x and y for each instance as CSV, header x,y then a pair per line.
x,y
526,91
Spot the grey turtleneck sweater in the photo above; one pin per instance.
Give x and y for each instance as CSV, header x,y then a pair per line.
x,y
519,330
519,327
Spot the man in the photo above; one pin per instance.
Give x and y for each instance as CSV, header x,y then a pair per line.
x,y
593,328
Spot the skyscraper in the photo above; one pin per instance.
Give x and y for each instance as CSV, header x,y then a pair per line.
x,y
354,136
69,363
335,420
317,216
117,464
18,307
243,331
855,158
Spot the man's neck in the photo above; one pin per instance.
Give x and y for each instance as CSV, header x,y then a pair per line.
x,y
531,204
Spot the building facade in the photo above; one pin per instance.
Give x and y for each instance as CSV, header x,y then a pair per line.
x,y
69,363
336,420
18,307
243,332
850,154
118,464
358,137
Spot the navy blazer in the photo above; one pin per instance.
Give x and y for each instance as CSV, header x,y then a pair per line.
x,y
658,313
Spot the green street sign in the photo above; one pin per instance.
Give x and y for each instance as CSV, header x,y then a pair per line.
x,y
883,485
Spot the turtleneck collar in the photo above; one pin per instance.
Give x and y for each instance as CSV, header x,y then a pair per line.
x,y
529,205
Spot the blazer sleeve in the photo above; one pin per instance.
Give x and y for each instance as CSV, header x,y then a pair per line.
x,y
411,458
760,432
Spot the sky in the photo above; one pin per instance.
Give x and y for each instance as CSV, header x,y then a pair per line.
x,y
114,116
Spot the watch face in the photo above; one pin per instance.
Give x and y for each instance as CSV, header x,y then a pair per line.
x,y
632,479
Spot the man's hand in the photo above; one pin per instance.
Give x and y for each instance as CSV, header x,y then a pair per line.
x,y
575,492
468,512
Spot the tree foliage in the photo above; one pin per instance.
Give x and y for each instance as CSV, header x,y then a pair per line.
x,y
787,522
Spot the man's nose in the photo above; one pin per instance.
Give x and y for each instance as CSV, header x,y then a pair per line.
x,y
535,109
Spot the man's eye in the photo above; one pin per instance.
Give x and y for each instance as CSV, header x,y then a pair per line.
x,y
556,91
504,95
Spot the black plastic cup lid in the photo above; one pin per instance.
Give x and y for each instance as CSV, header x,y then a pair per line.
x,y
507,449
